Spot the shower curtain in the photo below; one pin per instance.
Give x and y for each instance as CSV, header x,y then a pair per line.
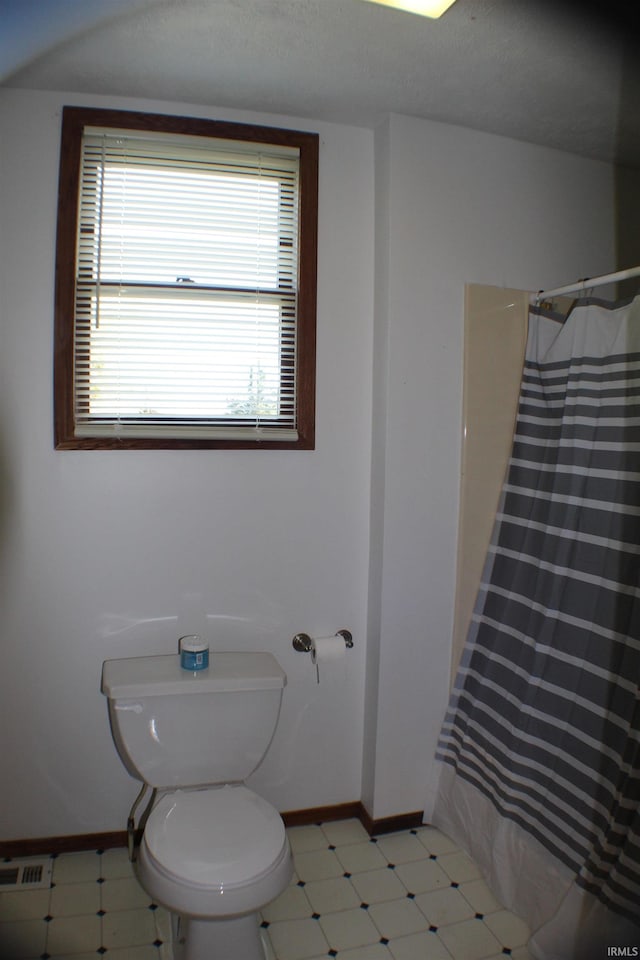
x,y
538,762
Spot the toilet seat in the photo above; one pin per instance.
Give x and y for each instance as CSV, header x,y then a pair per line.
x,y
216,838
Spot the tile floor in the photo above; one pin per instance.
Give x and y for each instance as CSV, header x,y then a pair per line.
x,y
403,896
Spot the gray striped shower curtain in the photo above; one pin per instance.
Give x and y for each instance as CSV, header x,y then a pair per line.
x,y
538,762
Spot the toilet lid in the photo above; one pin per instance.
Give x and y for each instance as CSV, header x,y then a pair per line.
x,y
219,836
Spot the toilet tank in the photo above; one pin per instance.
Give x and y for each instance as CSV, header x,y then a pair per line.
x,y
176,728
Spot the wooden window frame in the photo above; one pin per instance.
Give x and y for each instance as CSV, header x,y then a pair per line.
x,y
74,121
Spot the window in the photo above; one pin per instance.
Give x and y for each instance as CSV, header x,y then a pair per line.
x,y
185,283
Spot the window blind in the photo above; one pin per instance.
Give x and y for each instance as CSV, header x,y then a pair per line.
x,y
186,288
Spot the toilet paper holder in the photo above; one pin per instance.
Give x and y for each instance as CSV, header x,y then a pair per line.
x,y
302,641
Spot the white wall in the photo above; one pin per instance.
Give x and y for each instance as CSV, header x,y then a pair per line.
x,y
460,207
98,548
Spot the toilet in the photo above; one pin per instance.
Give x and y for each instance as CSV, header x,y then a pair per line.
x,y
213,852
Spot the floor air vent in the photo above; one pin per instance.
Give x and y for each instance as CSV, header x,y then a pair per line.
x,y
27,874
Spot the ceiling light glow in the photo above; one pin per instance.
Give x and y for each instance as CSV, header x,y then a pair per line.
x,y
426,8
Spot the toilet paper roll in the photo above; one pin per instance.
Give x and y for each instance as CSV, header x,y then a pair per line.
x,y
327,649
328,652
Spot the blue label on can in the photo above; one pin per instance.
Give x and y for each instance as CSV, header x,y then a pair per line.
x,y
194,661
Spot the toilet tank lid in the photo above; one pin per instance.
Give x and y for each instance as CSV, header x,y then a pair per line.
x,y
162,675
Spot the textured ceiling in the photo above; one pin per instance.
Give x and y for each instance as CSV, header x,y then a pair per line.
x,y
545,71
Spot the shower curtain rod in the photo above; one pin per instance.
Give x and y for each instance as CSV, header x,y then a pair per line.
x,y
588,283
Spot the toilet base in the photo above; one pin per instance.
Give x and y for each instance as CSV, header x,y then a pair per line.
x,y
239,938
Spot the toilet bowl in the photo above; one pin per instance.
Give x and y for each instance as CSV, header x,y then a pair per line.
x,y
215,857
213,852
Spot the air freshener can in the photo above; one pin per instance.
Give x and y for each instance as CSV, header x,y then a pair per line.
x,y
194,653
